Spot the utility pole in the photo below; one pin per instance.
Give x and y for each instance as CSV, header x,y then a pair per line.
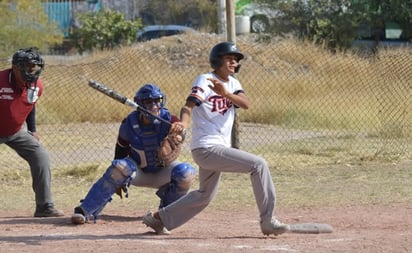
x,y
231,36
221,16
230,17
226,25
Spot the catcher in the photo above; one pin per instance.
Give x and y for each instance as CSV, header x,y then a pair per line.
x,y
145,155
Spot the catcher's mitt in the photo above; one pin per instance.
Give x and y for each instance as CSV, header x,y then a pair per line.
x,y
169,149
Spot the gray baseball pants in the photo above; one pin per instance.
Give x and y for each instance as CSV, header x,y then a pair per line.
x,y
156,180
212,161
38,158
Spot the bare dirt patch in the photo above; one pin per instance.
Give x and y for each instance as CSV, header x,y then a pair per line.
x,y
356,229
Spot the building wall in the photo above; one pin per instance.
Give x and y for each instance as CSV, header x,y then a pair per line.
x,y
64,12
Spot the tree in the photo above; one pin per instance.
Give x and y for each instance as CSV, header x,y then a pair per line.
x,y
105,29
330,23
194,13
335,23
382,12
24,23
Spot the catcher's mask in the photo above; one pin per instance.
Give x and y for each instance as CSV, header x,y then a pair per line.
x,y
149,95
221,49
24,59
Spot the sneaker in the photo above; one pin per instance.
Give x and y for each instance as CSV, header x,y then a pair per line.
x,y
79,216
150,221
274,227
47,210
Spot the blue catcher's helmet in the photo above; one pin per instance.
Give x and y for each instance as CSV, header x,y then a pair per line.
x,y
149,92
23,58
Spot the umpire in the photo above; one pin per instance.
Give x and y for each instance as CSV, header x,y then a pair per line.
x,y
20,88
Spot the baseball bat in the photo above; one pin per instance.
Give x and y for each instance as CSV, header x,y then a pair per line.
x,y
122,99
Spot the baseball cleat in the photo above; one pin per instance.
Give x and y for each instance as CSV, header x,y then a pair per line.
x,y
274,227
47,210
78,219
150,221
79,216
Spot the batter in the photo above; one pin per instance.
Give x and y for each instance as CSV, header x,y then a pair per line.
x,y
211,105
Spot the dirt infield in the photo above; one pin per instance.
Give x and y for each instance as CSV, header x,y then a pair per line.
x,y
356,229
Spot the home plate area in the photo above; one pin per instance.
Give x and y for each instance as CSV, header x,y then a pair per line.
x,y
332,229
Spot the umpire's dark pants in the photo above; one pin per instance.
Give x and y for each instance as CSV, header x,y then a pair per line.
x,y
38,158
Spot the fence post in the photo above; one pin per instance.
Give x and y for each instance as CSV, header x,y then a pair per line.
x,y
231,36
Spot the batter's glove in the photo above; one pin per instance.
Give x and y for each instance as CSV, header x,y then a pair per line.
x,y
169,148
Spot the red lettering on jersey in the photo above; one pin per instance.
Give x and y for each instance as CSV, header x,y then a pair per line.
x,y
220,104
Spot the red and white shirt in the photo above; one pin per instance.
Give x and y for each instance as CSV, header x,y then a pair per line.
x,y
212,119
16,103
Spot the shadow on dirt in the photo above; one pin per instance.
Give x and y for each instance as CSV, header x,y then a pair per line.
x,y
148,236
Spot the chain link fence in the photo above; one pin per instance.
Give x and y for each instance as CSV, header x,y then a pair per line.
x,y
308,106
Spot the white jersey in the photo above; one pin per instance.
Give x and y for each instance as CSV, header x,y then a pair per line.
x,y
213,119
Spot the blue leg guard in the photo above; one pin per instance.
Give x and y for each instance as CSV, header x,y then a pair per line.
x,y
180,183
119,174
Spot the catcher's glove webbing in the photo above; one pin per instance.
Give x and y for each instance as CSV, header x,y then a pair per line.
x,y
169,149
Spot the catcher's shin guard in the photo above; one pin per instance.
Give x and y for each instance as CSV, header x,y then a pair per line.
x,y
180,183
119,174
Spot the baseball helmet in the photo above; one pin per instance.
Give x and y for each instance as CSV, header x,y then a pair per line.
x,y
26,56
221,49
149,91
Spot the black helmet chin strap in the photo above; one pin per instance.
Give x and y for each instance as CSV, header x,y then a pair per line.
x,y
237,68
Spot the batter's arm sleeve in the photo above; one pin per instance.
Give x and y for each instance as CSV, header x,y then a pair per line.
x,y
122,149
31,120
186,112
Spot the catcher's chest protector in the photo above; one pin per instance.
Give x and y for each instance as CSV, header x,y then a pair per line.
x,y
145,141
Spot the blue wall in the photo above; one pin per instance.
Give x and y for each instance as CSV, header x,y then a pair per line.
x,y
60,12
